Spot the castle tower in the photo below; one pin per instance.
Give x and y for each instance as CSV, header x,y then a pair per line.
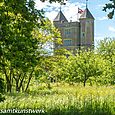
x,y
86,29
58,22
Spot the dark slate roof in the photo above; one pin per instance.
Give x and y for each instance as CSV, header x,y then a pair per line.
x,y
86,14
60,17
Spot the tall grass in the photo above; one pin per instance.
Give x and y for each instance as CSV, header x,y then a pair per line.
x,y
65,100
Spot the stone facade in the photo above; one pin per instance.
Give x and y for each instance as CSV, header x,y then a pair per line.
x,y
76,34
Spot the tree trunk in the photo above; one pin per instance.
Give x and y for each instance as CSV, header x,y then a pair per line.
x,y
8,82
29,80
84,82
9,87
21,82
17,88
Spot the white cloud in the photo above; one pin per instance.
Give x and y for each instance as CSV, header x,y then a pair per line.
x,y
101,5
99,37
70,9
102,18
40,5
112,29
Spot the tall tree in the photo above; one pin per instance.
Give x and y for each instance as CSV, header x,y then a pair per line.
x,y
87,65
23,33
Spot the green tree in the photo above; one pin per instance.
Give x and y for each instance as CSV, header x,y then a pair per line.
x,y
18,18
23,34
111,7
106,48
53,68
62,71
87,65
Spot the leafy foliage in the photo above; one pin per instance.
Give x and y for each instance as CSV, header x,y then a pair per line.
x,y
24,32
111,7
87,65
106,49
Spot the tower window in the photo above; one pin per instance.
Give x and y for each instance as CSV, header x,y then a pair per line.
x,y
62,21
67,42
83,35
67,33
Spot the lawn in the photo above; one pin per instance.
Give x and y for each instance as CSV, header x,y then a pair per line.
x,y
64,99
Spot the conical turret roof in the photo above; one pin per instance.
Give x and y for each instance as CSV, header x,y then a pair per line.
x,y
60,17
86,14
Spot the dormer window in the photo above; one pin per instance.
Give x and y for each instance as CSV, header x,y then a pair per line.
x,y
62,21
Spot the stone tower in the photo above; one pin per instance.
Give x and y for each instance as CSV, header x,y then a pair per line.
x,y
87,29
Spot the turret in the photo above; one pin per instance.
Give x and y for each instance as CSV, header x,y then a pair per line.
x,y
87,29
59,22
60,17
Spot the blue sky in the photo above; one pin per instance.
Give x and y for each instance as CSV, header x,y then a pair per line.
x,y
104,27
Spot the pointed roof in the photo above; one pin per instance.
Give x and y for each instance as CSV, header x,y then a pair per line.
x,y
60,17
86,14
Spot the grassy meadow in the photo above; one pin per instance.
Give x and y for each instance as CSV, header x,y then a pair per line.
x,y
64,99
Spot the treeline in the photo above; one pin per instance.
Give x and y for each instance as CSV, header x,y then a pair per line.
x,y
93,67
